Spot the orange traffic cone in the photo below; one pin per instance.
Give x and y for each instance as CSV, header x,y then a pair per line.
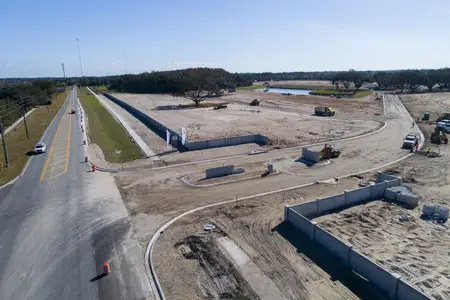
x,y
93,168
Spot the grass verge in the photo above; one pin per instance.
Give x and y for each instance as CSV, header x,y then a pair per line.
x,y
106,132
18,146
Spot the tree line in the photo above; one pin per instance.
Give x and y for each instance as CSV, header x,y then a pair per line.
x,y
402,80
16,99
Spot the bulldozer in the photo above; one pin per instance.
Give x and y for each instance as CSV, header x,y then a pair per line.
x,y
438,137
255,102
329,152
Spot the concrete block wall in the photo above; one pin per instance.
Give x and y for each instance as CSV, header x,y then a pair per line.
x,y
303,224
358,196
374,272
307,209
394,182
330,204
299,215
378,190
309,155
407,292
219,171
158,128
383,177
329,241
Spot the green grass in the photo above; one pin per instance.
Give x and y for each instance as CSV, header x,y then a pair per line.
x,y
250,88
106,132
17,144
104,89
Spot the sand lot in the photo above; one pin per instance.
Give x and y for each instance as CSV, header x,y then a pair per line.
x,y
268,249
284,128
416,249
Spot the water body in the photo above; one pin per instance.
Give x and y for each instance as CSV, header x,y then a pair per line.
x,y
290,91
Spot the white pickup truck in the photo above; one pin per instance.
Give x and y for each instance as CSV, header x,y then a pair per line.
x,y
410,141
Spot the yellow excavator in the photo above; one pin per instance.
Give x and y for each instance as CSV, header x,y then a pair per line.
x,y
329,152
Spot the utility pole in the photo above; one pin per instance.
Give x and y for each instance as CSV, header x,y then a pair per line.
x,y
79,56
5,152
24,118
64,71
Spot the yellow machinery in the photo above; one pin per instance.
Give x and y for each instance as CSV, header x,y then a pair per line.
x,y
329,152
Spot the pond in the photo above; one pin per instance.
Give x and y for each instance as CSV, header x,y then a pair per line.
x,y
288,91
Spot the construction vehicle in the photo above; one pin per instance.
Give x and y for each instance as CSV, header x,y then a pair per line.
x,y
410,141
329,152
254,102
324,111
438,137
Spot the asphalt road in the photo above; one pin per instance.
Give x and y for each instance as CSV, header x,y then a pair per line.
x,y
59,223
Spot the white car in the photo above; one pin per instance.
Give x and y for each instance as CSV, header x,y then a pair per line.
x,y
40,148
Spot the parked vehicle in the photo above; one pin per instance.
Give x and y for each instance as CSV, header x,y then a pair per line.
x,y
410,141
443,125
324,111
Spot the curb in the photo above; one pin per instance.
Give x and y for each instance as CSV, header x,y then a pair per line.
x,y
247,154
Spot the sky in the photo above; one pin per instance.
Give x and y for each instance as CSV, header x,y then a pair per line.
x,y
134,36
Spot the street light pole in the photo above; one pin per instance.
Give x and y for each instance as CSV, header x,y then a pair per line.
x,y
79,56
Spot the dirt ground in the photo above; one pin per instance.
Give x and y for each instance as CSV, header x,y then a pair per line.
x,y
416,249
257,227
297,269
284,127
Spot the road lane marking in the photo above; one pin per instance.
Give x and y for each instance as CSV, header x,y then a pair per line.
x,y
58,157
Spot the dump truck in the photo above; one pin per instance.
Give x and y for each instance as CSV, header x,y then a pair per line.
x,y
324,111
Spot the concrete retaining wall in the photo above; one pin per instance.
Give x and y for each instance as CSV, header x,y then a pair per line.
x,y
306,226
307,209
407,292
155,126
329,204
332,243
374,272
358,196
160,130
394,182
312,156
231,141
378,190
383,177
219,171
299,215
